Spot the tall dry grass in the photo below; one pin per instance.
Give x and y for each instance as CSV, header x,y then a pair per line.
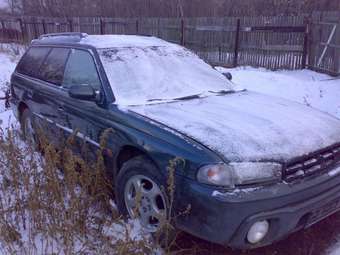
x,y
59,203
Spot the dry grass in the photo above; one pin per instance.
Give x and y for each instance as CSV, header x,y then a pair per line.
x,y
59,204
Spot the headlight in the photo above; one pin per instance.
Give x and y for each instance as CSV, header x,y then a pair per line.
x,y
230,175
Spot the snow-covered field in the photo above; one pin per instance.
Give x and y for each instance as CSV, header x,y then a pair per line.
x,y
307,87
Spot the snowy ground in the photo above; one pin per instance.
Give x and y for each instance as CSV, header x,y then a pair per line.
x,y
307,87
313,89
8,62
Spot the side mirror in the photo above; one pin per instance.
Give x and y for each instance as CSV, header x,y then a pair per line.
x,y
228,76
83,92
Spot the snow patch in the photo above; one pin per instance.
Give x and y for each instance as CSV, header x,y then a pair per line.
x,y
334,172
235,192
8,121
335,250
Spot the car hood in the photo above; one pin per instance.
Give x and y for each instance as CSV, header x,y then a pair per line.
x,y
248,126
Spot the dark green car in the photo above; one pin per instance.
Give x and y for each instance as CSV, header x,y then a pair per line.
x,y
253,168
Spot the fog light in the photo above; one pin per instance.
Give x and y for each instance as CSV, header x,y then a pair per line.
x,y
258,231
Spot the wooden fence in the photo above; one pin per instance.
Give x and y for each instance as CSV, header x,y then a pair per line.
x,y
272,42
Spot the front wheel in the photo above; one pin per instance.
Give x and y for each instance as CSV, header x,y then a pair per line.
x,y
139,194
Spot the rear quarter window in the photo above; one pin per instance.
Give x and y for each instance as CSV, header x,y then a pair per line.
x,y
32,60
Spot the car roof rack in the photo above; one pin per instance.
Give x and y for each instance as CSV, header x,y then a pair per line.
x,y
78,34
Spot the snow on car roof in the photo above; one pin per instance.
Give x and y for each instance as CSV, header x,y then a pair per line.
x,y
122,41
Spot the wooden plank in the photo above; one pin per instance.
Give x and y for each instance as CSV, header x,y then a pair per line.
x,y
326,46
330,45
281,29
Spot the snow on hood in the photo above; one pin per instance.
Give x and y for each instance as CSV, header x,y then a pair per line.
x,y
140,74
248,126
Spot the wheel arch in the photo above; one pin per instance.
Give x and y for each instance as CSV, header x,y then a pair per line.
x,y
126,153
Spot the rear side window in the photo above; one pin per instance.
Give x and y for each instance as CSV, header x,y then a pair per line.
x,y
81,70
32,60
52,70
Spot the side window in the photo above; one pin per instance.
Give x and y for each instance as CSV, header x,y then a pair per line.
x,y
32,60
52,70
81,70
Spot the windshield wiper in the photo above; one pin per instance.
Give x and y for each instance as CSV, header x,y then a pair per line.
x,y
176,99
156,99
188,97
221,92
226,92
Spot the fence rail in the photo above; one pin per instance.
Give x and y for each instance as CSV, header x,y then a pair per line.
x,y
271,42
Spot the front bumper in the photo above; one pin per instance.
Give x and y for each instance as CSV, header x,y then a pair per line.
x,y
225,218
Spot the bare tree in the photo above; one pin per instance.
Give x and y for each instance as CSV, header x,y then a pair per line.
x,y
171,8
15,6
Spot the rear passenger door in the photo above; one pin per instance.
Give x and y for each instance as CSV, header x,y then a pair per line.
x,y
48,94
37,82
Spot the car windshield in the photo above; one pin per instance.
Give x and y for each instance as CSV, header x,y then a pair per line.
x,y
145,75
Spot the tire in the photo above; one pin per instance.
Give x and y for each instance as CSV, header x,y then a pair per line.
x,y
28,128
141,168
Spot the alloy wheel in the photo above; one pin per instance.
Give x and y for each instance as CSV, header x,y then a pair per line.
x,y
144,200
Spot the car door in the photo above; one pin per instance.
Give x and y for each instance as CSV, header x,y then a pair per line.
x,y
38,78
83,118
50,77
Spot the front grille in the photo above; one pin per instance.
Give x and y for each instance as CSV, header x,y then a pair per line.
x,y
313,164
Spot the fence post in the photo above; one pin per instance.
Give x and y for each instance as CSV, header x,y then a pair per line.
x,y
158,27
44,26
305,44
102,26
220,54
3,30
237,39
182,32
22,30
70,23
137,27
35,28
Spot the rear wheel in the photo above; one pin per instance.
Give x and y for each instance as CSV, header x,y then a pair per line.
x,y
27,128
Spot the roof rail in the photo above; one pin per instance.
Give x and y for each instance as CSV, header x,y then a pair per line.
x,y
78,34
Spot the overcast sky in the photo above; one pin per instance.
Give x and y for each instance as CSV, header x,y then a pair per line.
x,y
3,4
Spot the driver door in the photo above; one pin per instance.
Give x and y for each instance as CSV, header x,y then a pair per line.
x,y
82,118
